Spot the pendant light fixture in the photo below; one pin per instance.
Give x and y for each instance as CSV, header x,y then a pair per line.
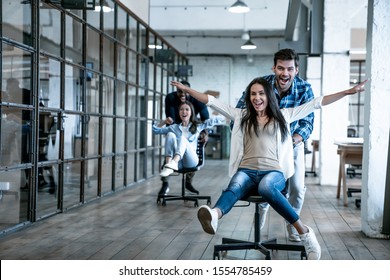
x,y
239,7
248,45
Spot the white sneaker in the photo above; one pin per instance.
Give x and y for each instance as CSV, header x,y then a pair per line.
x,y
172,165
312,247
263,215
293,234
166,172
208,218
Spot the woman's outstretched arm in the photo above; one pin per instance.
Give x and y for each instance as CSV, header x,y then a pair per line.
x,y
204,98
328,99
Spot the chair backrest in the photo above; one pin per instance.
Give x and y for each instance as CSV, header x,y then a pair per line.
x,y
200,152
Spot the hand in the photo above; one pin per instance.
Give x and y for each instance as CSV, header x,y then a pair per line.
x,y
179,85
296,138
204,136
357,88
169,120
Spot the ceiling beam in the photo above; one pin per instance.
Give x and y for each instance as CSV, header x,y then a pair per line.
x,y
292,17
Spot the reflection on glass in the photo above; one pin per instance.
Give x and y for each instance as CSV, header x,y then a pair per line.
x,y
73,40
130,169
50,24
120,136
50,73
91,179
119,172
107,135
71,184
14,198
107,175
17,21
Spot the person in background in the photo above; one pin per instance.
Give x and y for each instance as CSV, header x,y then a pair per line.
x,y
290,91
261,157
182,139
172,103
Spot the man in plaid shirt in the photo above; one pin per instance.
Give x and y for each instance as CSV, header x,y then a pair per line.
x,y
291,91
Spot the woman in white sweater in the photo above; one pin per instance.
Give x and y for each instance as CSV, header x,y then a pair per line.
x,y
261,154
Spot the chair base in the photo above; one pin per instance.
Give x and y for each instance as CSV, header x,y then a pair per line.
x,y
264,247
195,198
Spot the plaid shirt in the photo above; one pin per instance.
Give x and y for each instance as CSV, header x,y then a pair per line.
x,y
299,93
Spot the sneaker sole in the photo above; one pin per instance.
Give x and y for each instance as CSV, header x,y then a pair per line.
x,y
205,218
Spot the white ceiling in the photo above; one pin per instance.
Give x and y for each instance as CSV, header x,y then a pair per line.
x,y
207,27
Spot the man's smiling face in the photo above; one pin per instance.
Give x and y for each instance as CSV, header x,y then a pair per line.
x,y
285,72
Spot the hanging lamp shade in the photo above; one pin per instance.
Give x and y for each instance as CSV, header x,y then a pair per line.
x,y
239,7
248,45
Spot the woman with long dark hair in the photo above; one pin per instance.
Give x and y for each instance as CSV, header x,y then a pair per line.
x,y
261,154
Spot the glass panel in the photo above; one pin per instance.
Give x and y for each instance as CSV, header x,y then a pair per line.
x,y
132,100
50,24
50,72
122,26
120,135
72,136
130,168
140,166
93,17
91,179
121,63
121,99
92,91
108,96
108,56
48,137
119,172
73,88
107,175
108,17
92,136
107,135
133,34
93,50
16,17
73,40
71,184
132,77
150,161
47,196
13,206
131,140
142,134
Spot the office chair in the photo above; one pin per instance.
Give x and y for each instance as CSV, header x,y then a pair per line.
x,y
264,247
195,198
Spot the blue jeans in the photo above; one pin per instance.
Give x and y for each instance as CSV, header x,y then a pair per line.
x,y
268,184
180,146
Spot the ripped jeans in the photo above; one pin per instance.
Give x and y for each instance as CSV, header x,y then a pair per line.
x,y
268,184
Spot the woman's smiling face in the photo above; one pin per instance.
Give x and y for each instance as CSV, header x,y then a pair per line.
x,y
185,112
258,98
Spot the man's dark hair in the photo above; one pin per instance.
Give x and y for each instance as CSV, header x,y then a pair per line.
x,y
286,54
184,82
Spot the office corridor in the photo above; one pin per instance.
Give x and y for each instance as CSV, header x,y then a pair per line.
x,y
131,225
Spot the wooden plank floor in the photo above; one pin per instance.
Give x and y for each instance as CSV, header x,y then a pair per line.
x,y
130,225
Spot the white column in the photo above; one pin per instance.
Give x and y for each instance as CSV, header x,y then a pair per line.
x,y
376,117
335,73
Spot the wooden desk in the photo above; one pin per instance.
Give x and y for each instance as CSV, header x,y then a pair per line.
x,y
350,153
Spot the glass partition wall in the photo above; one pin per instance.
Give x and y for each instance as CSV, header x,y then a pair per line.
x,y
80,90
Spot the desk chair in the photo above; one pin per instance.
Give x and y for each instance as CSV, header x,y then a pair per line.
x,y
164,198
264,247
